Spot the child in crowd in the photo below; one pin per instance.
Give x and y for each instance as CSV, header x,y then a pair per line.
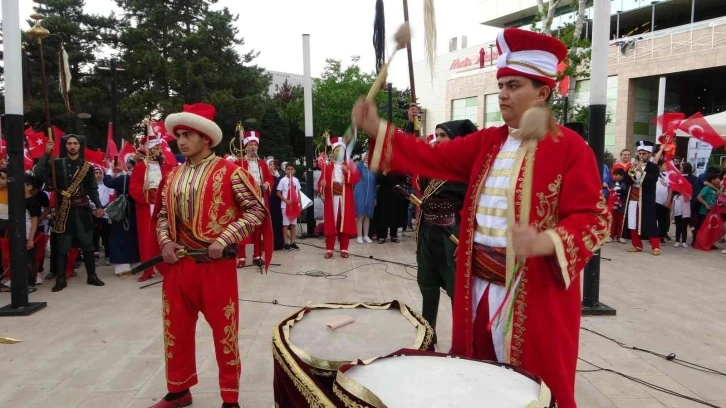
x,y
288,190
618,194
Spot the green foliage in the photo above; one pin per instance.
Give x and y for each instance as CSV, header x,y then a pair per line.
x,y
187,54
275,135
296,133
82,35
334,95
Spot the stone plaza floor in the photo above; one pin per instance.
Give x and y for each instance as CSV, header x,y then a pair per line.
x,y
103,347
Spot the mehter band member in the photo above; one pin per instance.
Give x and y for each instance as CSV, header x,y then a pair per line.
x,y
207,202
76,188
533,216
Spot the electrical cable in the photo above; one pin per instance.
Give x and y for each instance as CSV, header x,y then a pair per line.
x,y
645,383
670,357
362,256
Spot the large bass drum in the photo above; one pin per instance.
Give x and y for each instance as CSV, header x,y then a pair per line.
x,y
307,355
411,378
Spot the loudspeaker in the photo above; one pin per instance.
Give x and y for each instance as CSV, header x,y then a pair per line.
x,y
577,127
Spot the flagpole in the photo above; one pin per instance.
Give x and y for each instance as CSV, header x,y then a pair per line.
x,y
19,304
38,32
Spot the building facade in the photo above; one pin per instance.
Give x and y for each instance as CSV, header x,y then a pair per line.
x,y
279,78
688,58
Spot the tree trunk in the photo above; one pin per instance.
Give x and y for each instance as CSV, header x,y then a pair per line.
x,y
548,14
577,35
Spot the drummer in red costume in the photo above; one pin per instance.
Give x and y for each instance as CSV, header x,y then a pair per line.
x,y
206,203
533,200
336,187
260,173
143,186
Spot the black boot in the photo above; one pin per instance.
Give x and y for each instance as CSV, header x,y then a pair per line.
x,y
60,266
90,262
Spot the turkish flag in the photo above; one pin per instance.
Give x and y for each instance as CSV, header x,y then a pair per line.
x,y
159,128
697,127
95,157
669,122
711,230
111,149
127,150
169,158
677,182
36,144
564,84
293,210
27,161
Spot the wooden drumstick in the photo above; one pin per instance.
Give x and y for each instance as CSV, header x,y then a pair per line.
x,y
403,36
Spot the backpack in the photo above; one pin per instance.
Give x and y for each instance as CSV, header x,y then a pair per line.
x,y
118,209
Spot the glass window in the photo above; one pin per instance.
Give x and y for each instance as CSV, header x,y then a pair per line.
x,y
492,115
467,108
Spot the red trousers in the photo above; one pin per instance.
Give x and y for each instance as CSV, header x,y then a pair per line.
x,y
483,343
638,243
209,288
617,225
343,238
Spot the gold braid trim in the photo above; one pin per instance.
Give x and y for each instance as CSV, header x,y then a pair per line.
x,y
533,67
64,208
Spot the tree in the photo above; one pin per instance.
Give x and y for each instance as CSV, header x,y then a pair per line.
x,y
283,96
275,135
401,101
186,54
334,95
546,13
82,35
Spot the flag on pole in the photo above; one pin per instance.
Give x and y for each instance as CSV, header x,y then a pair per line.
x,y
698,127
677,182
111,149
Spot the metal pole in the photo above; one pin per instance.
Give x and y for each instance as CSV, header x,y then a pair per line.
x,y
617,27
661,104
19,305
308,102
390,102
652,18
114,102
596,139
693,10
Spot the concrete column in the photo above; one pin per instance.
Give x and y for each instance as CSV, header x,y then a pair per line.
x,y
661,104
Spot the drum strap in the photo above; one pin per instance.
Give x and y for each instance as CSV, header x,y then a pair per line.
x,y
490,263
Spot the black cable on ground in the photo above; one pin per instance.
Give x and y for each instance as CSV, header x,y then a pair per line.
x,y
315,273
645,383
362,256
670,357
274,302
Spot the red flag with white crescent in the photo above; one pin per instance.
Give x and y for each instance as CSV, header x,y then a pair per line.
x,y
711,230
677,182
698,127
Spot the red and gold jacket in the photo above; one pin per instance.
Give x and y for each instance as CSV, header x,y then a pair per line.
x,y
555,187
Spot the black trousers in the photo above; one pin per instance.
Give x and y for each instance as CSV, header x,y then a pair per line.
x,y
682,228
32,267
101,232
699,221
663,215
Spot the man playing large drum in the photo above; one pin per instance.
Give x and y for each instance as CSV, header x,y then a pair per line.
x,y
533,216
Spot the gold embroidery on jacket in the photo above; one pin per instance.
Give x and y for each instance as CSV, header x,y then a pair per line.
x,y
571,251
214,225
519,319
594,236
547,206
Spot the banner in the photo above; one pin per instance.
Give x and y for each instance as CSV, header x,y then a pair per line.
x,y
698,154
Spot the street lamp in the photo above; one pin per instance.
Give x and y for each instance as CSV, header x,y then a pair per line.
x,y
114,105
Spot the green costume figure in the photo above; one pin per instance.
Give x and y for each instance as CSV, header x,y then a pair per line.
x,y
441,204
75,187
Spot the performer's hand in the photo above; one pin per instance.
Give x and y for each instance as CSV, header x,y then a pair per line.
x,y
98,213
322,184
29,244
365,116
412,112
49,146
523,240
216,250
344,168
168,252
265,186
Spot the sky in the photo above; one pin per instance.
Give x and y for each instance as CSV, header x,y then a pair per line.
x,y
338,29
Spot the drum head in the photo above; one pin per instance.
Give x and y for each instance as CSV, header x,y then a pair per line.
x,y
419,381
373,333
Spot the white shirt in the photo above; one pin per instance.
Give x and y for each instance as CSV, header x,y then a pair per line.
x,y
661,189
338,173
253,167
284,187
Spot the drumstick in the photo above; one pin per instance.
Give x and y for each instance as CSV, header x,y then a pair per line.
x,y
398,189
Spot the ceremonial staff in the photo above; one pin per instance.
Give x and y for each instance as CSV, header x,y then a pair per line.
x,y
39,32
412,83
